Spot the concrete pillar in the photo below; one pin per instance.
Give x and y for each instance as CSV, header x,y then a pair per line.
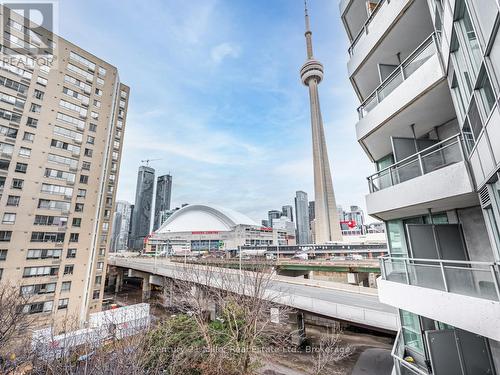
x,y
118,282
146,288
298,328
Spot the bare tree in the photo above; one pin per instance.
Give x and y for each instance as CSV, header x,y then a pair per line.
x,y
329,351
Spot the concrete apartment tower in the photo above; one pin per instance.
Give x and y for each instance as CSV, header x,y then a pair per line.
x,y
141,217
327,226
427,75
122,217
162,201
61,136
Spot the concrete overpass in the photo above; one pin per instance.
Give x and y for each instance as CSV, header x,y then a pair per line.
x,y
353,304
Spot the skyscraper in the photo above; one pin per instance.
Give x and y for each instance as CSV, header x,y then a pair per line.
x,y
123,215
302,217
327,227
287,211
162,202
61,142
141,219
273,214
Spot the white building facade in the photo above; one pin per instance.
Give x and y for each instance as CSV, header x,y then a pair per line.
x,y
427,74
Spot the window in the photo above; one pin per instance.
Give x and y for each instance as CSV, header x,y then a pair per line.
x,y
93,128
35,108
100,265
77,222
58,221
102,71
97,103
94,115
102,251
96,294
98,92
71,253
86,166
8,132
29,290
28,137
63,303
100,81
9,218
486,92
41,81
13,200
412,332
32,122
73,68
40,271
105,227
73,107
44,254
38,307
88,152
4,165
82,193
3,254
76,82
48,204
21,167
79,207
38,94
82,60
73,237
72,163
5,235
17,183
10,116
98,280
57,190
47,237
25,152
84,179
68,269
66,286
90,140
79,124
60,175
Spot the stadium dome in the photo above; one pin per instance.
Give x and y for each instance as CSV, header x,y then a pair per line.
x,y
201,217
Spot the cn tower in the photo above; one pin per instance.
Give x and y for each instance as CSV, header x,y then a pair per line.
x,y
327,225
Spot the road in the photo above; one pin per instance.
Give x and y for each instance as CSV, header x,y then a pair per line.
x,y
322,298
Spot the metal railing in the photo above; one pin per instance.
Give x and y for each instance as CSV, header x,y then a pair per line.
x,y
448,151
398,353
473,279
417,58
364,28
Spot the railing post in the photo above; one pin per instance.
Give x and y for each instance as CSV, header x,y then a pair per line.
x,y
382,268
495,280
392,177
444,277
421,163
461,147
407,273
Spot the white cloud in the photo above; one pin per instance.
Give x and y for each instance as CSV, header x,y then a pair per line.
x,y
224,50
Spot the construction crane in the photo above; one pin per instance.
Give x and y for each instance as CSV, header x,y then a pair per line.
x,y
148,160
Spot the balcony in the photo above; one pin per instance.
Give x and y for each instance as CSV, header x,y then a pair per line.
x,y
410,65
463,294
436,177
364,28
401,366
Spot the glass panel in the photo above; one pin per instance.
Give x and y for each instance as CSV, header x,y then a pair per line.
x,y
411,331
390,85
396,237
420,59
474,119
426,276
474,282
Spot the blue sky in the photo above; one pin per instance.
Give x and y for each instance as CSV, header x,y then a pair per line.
x,y
216,94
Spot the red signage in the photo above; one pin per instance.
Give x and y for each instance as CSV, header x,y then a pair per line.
x,y
209,232
350,223
264,229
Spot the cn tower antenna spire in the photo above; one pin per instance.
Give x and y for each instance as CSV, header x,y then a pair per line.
x,y
308,33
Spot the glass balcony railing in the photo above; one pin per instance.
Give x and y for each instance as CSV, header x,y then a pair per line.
x,y
437,156
409,66
473,279
402,366
364,28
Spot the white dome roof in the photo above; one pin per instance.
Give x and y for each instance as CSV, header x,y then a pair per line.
x,y
202,217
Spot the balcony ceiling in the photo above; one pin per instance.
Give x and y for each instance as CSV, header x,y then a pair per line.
x,y
430,110
355,17
408,33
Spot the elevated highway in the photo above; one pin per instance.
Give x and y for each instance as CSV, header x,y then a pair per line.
x,y
353,304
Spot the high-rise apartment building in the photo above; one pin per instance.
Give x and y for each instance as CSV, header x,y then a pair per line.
x,y
273,214
120,235
302,218
61,135
162,201
427,75
287,211
141,218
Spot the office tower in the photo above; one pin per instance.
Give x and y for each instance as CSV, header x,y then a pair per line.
x,y
162,202
302,218
312,212
117,221
355,215
265,223
129,239
123,213
288,212
141,219
273,214
327,227
427,77
61,129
